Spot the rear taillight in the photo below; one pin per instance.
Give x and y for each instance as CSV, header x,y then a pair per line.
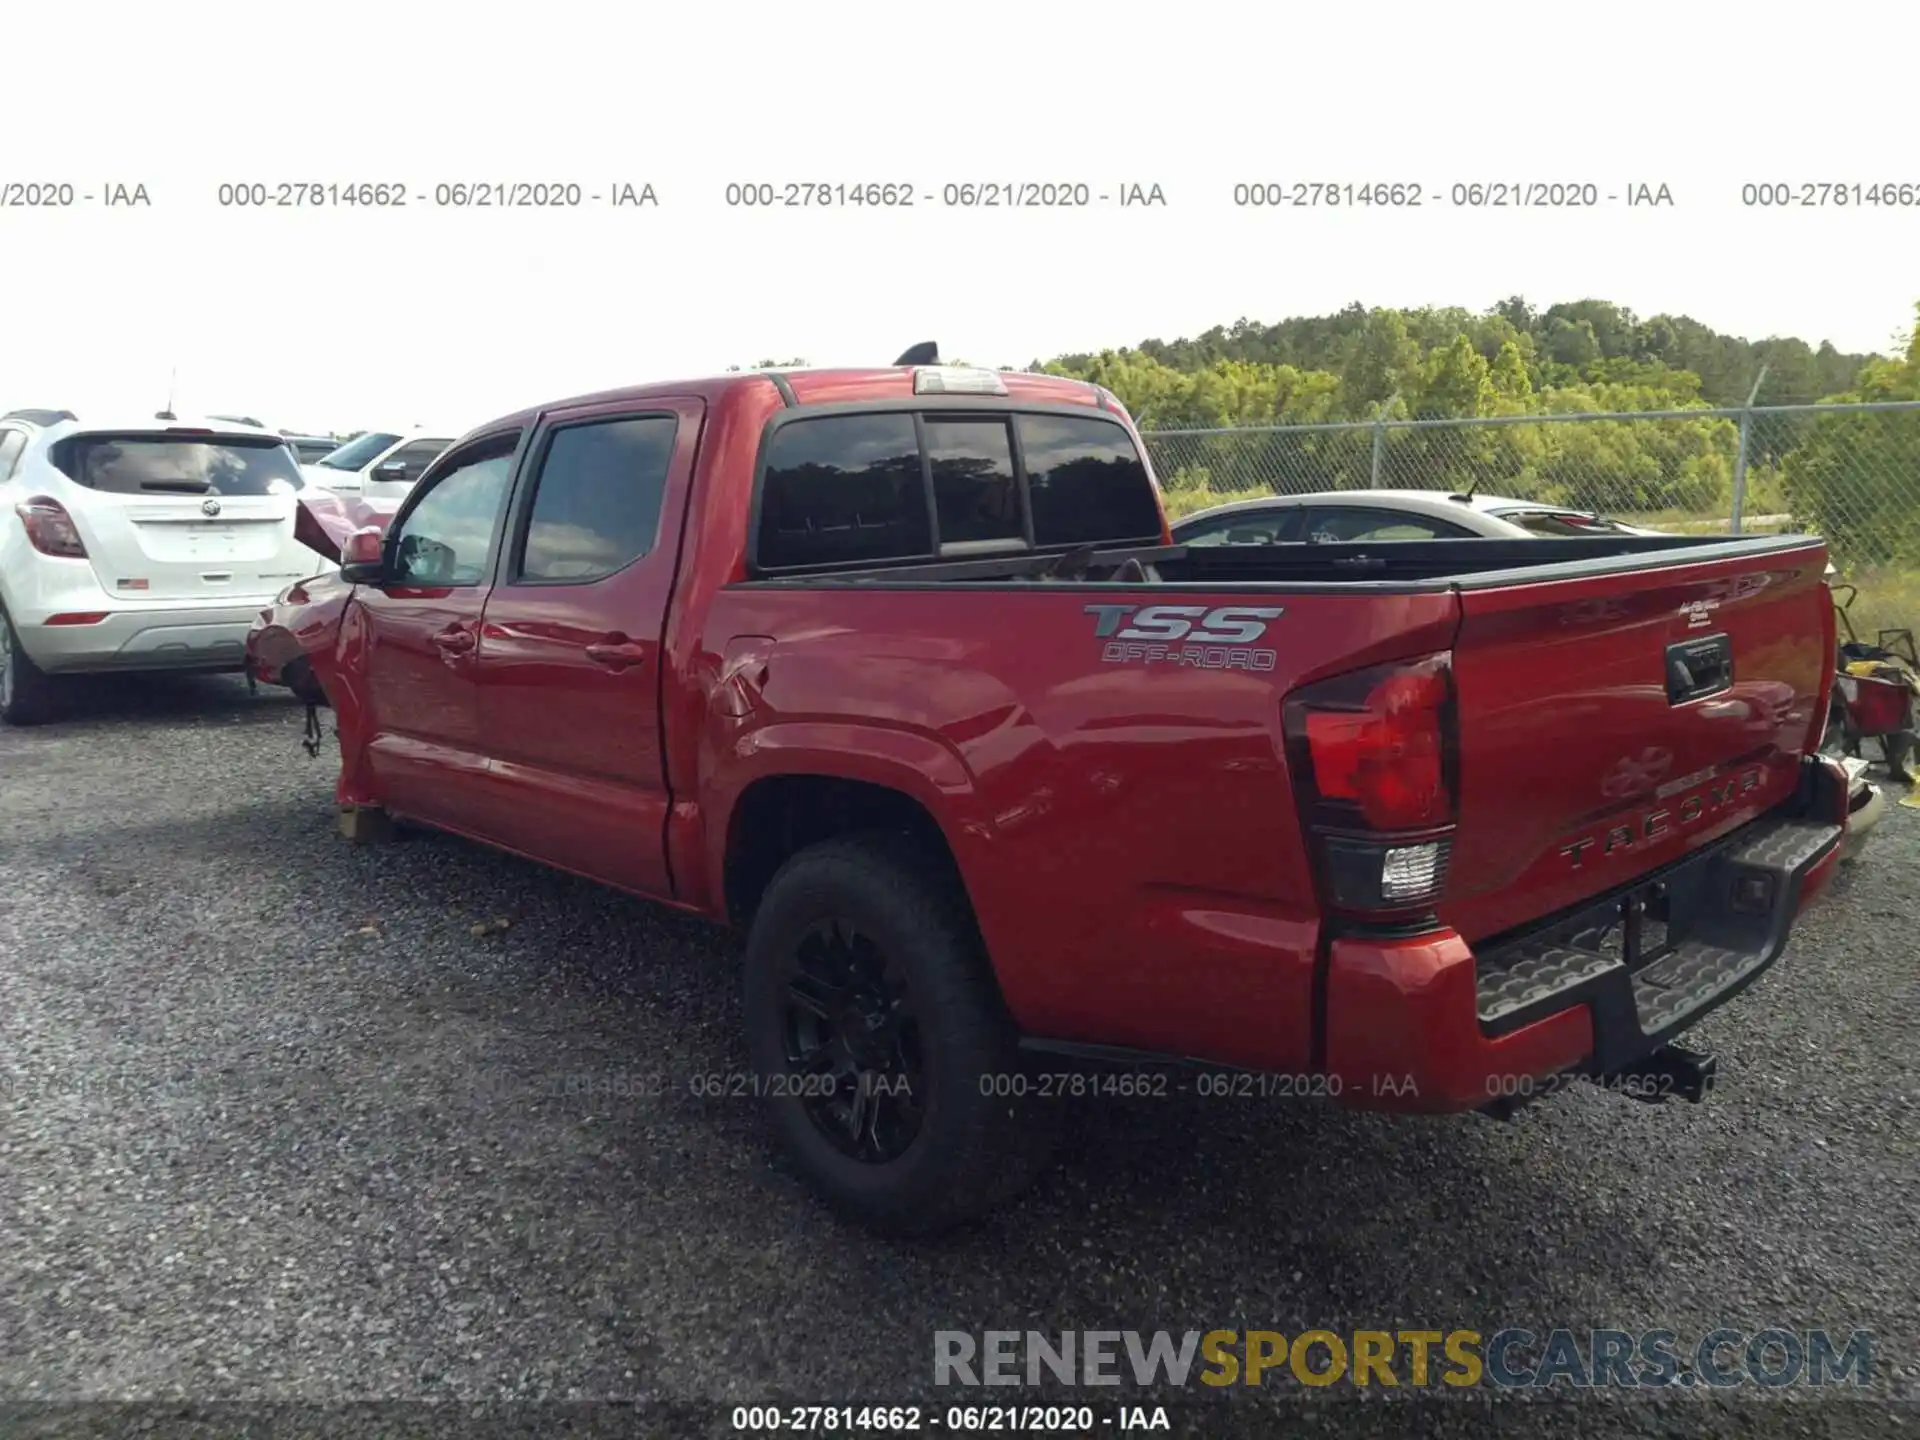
x,y
50,530
1374,761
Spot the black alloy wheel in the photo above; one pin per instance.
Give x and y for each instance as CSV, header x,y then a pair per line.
x,y
853,1042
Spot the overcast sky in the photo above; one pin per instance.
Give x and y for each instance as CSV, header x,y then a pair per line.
x,y
349,319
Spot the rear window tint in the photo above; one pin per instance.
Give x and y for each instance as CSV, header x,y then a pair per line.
x,y
851,489
841,490
170,465
1087,481
975,492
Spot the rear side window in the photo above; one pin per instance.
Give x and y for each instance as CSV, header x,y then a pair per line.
x,y
860,490
843,490
1254,527
596,504
136,464
1087,481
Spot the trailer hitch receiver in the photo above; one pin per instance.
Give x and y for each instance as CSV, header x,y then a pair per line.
x,y
1672,1072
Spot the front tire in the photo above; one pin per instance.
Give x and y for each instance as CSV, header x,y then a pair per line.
x,y
881,1044
27,693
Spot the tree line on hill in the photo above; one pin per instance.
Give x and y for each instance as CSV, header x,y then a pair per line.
x,y
1856,477
1452,362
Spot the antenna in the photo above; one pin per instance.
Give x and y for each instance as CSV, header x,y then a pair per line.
x,y
173,384
927,352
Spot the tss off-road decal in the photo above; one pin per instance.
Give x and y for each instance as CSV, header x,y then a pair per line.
x,y
1218,639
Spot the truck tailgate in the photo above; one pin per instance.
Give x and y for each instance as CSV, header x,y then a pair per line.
x,y
1615,720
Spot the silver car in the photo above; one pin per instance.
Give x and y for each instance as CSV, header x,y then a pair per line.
x,y
1349,516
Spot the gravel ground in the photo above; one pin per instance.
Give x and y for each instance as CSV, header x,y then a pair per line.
x,y
281,1128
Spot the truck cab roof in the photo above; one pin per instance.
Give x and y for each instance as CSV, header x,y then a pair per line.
x,y
800,388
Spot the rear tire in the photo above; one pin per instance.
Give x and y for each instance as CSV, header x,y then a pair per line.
x,y
881,1044
28,695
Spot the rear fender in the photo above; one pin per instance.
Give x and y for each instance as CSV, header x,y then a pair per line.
x,y
916,764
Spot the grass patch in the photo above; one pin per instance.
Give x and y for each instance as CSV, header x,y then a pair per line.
x,y
1889,599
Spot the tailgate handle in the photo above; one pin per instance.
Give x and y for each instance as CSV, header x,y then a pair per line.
x,y
1699,667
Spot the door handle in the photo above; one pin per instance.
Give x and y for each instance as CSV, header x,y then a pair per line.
x,y
454,641
616,654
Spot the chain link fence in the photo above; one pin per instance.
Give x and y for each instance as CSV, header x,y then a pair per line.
x,y
1848,472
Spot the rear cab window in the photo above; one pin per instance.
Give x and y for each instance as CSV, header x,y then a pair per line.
x,y
976,493
1087,480
843,490
916,483
171,463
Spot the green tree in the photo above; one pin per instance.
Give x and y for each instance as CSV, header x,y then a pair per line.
x,y
1457,381
1511,382
1382,360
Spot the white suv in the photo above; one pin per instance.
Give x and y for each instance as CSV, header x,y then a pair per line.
x,y
149,545
379,465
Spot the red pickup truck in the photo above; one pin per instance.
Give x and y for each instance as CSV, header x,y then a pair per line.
x,y
898,670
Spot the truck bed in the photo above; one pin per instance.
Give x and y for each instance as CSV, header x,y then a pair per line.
x,y
1153,779
1423,564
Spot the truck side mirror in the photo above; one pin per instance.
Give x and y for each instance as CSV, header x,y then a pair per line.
x,y
363,557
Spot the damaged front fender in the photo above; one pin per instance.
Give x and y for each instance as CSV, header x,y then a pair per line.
x,y
292,643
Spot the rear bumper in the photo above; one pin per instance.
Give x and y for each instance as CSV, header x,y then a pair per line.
x,y
150,638
1428,1023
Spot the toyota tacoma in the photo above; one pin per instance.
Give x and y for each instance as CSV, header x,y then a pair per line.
x,y
899,671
